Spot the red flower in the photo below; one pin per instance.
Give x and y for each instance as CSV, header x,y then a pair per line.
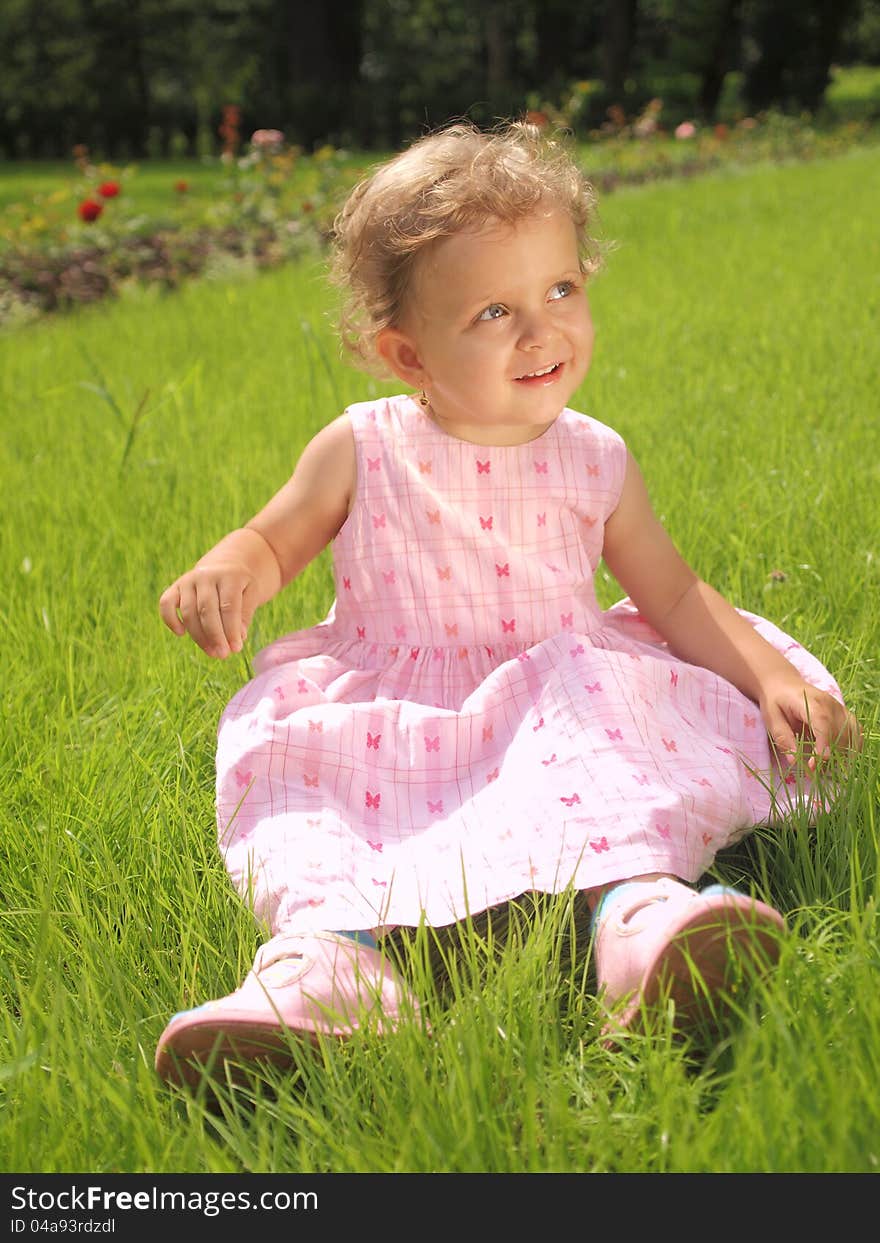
x,y
109,189
181,186
89,210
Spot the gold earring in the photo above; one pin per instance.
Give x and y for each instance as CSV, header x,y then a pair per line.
x,y
423,400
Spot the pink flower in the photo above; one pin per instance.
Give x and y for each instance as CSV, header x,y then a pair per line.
x,y
687,129
267,139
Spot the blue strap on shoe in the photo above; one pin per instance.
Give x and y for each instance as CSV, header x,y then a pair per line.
x,y
712,891
361,937
610,896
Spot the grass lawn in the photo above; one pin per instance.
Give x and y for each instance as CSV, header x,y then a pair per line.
x,y
149,184
738,352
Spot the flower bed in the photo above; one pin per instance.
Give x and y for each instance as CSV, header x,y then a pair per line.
x,y
88,240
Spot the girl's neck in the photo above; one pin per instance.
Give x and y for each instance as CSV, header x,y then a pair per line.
x,y
499,437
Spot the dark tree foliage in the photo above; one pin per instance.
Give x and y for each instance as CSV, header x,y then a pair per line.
x,y
795,45
136,77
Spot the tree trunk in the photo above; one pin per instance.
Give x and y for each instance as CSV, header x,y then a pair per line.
x,y
618,36
497,57
557,49
322,55
719,57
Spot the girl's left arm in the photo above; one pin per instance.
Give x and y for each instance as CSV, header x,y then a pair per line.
x,y
702,628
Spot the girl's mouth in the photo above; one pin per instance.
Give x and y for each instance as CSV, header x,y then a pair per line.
x,y
541,376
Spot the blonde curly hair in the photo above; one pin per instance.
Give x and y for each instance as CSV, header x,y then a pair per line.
x,y
453,179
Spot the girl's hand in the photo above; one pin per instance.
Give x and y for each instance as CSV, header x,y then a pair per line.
x,y
214,604
215,601
795,712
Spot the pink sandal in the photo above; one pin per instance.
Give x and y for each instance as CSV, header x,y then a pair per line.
x,y
301,985
661,939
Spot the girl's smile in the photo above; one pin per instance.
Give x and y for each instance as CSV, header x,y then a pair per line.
x,y
497,331
547,375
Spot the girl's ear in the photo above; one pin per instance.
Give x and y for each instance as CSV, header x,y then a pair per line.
x,y
401,354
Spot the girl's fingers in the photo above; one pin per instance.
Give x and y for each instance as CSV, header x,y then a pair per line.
x,y
832,728
848,734
782,737
230,614
248,608
210,620
189,611
814,722
214,612
169,602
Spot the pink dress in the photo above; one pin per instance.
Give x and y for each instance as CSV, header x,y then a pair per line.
x,y
467,724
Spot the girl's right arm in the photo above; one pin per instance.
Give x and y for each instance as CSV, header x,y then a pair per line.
x,y
215,600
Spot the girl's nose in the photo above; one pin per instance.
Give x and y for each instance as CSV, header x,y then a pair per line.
x,y
536,330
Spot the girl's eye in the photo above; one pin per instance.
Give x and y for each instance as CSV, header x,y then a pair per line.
x,y
561,290
495,311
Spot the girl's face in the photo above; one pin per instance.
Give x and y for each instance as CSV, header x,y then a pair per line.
x,y
498,331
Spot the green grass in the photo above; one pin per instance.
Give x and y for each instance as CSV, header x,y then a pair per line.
x,y
738,354
148,185
153,180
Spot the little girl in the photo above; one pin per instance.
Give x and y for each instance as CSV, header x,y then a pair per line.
x,y
467,725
